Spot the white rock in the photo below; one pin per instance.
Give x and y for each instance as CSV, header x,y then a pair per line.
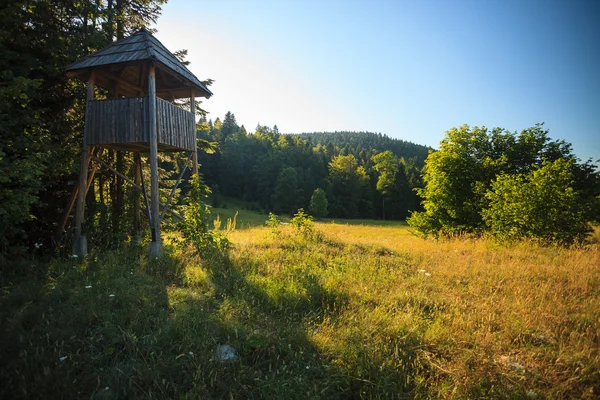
x,y
224,353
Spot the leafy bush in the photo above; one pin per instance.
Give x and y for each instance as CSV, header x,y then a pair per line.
x,y
515,186
272,221
539,205
195,226
303,223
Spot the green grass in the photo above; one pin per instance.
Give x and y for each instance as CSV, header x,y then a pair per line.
x,y
351,311
245,217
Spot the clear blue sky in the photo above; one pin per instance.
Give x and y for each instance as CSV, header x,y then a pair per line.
x,y
409,69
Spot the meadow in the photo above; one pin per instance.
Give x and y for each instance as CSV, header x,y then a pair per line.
x,y
347,309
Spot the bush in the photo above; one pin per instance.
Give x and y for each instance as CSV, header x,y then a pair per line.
x,y
303,223
512,186
540,205
195,226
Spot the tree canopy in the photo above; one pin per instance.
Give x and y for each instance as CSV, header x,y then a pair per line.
x,y
472,181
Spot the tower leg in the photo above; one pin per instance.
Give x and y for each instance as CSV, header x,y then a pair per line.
x,y
136,202
80,242
156,244
193,110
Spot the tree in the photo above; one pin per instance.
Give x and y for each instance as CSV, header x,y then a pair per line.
x,y
386,164
541,205
349,182
284,197
460,175
318,203
229,125
455,181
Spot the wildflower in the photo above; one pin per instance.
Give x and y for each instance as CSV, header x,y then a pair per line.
x,y
88,287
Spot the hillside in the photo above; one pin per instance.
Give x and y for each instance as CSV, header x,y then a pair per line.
x,y
369,141
281,172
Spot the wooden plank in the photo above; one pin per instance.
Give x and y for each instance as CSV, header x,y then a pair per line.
x,y
173,136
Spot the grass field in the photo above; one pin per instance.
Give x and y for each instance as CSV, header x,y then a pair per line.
x,y
358,309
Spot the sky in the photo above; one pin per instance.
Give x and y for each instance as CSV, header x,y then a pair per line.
x,y
407,69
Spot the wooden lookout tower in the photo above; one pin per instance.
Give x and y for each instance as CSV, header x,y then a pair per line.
x,y
141,76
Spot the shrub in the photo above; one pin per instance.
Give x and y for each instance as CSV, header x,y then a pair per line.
x,y
195,226
540,205
303,223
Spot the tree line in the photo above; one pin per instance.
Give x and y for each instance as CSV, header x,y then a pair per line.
x,y
338,175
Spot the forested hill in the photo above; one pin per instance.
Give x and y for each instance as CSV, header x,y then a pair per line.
x,y
355,142
351,175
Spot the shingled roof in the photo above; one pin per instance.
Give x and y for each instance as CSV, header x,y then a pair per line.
x,y
125,60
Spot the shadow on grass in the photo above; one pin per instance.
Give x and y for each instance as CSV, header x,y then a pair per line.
x,y
121,326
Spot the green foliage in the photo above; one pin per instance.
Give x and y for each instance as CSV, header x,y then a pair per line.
x,y
285,194
387,166
195,226
272,221
459,177
539,205
303,223
197,217
355,142
318,203
349,188
258,168
455,179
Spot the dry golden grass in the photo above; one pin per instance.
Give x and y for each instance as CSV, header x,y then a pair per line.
x,y
489,320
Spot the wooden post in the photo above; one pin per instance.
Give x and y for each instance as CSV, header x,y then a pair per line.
x,y
136,201
155,245
80,243
195,155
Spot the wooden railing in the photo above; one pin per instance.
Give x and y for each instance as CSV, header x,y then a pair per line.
x,y
115,122
175,125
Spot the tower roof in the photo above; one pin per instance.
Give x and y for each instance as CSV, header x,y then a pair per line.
x,y
124,63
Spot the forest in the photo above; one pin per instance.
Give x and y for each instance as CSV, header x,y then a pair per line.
x,y
360,174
